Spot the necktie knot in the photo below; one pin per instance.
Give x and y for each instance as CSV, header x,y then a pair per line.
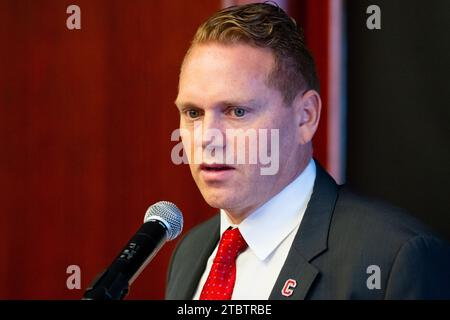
x,y
231,244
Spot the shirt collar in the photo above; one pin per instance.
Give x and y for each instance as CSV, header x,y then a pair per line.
x,y
270,224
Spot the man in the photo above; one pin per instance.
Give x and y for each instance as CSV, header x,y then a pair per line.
x,y
294,234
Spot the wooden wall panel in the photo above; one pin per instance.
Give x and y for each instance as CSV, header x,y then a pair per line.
x,y
85,123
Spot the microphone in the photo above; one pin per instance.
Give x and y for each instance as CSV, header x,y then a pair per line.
x,y
163,222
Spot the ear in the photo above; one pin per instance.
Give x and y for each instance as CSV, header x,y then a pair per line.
x,y
307,106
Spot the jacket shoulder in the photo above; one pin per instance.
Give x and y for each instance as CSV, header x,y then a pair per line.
x,y
365,233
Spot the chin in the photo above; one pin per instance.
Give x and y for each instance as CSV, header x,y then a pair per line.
x,y
218,200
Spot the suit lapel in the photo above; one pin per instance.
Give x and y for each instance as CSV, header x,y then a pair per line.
x,y
298,274
295,269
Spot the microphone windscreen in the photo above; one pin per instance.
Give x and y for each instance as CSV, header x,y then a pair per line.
x,y
169,214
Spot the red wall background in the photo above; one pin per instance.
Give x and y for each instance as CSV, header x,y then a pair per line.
x,y
85,123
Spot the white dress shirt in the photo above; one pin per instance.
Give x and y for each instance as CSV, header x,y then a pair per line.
x,y
269,232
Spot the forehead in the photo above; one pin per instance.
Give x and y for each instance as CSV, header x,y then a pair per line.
x,y
215,71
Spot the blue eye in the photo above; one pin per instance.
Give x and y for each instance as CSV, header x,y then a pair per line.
x,y
193,114
239,112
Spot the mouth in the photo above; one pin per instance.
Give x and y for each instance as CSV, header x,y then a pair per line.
x,y
215,167
216,172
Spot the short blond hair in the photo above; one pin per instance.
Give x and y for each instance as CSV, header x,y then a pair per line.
x,y
266,25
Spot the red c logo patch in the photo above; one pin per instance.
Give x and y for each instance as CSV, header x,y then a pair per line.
x,y
288,288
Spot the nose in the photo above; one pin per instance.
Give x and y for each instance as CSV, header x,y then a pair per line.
x,y
211,134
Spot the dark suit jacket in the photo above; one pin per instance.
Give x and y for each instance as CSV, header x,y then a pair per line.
x,y
340,236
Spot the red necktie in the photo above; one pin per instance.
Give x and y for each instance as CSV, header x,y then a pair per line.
x,y
221,278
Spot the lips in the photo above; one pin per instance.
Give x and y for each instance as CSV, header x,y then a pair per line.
x,y
216,172
215,167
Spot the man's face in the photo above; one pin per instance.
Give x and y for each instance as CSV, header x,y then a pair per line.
x,y
225,87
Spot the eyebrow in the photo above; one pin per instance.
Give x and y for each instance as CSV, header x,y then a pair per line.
x,y
250,102
184,105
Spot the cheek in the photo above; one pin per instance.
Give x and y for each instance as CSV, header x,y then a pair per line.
x,y
250,178
188,144
288,130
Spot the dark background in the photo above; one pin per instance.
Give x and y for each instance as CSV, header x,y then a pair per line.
x,y
398,136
